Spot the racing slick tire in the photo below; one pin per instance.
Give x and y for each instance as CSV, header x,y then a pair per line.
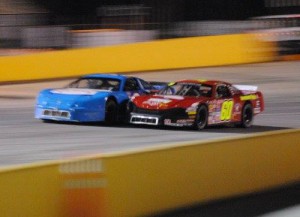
x,y
123,113
47,121
201,118
129,109
111,112
247,116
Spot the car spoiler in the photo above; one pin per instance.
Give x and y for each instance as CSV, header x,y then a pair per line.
x,y
246,87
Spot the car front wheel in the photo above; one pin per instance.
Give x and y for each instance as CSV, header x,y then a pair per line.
x,y
110,112
201,118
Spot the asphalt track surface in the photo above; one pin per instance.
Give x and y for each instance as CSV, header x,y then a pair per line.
x,y
24,139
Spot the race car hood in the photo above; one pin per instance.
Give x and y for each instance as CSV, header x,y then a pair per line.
x,y
164,101
69,96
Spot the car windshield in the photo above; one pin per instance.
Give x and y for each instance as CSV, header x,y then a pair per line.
x,y
96,83
187,89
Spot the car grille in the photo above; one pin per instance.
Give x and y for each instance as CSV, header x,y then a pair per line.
x,y
142,119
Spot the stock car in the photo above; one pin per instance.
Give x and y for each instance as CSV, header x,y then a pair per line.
x,y
91,98
198,104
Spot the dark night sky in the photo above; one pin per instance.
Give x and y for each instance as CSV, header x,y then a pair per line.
x,y
80,6
191,9
223,9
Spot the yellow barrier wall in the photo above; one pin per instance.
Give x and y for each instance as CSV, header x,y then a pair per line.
x,y
156,55
33,191
155,180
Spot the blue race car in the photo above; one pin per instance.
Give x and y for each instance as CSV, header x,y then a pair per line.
x,y
91,98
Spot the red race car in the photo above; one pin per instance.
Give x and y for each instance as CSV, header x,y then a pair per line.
x,y
197,104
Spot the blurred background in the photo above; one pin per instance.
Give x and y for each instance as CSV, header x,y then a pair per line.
x,y
64,24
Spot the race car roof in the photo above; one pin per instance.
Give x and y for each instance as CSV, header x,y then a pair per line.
x,y
201,81
112,76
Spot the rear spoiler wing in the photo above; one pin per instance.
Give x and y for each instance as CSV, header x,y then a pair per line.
x,y
246,87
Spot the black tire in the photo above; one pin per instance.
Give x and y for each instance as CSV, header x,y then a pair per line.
x,y
247,116
129,109
47,121
201,118
110,112
123,112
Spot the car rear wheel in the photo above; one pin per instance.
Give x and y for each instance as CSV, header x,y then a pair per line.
x,y
110,112
201,118
247,116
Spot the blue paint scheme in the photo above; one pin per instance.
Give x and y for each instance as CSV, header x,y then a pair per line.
x,y
87,104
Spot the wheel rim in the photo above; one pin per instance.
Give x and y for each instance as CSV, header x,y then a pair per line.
x,y
201,118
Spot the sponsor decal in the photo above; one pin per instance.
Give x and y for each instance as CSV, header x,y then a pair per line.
x,y
217,105
179,123
236,114
156,101
167,121
248,97
211,107
237,107
184,121
210,120
214,118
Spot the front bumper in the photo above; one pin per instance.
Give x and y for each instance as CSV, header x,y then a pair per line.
x,y
72,115
144,119
181,119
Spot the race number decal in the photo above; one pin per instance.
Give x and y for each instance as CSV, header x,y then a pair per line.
x,y
226,110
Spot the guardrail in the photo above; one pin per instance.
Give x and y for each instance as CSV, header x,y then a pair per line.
x,y
156,55
129,183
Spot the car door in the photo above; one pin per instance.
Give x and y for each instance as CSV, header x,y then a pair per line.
x,y
225,102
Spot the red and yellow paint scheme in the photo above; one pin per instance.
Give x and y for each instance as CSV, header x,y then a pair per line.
x,y
198,103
